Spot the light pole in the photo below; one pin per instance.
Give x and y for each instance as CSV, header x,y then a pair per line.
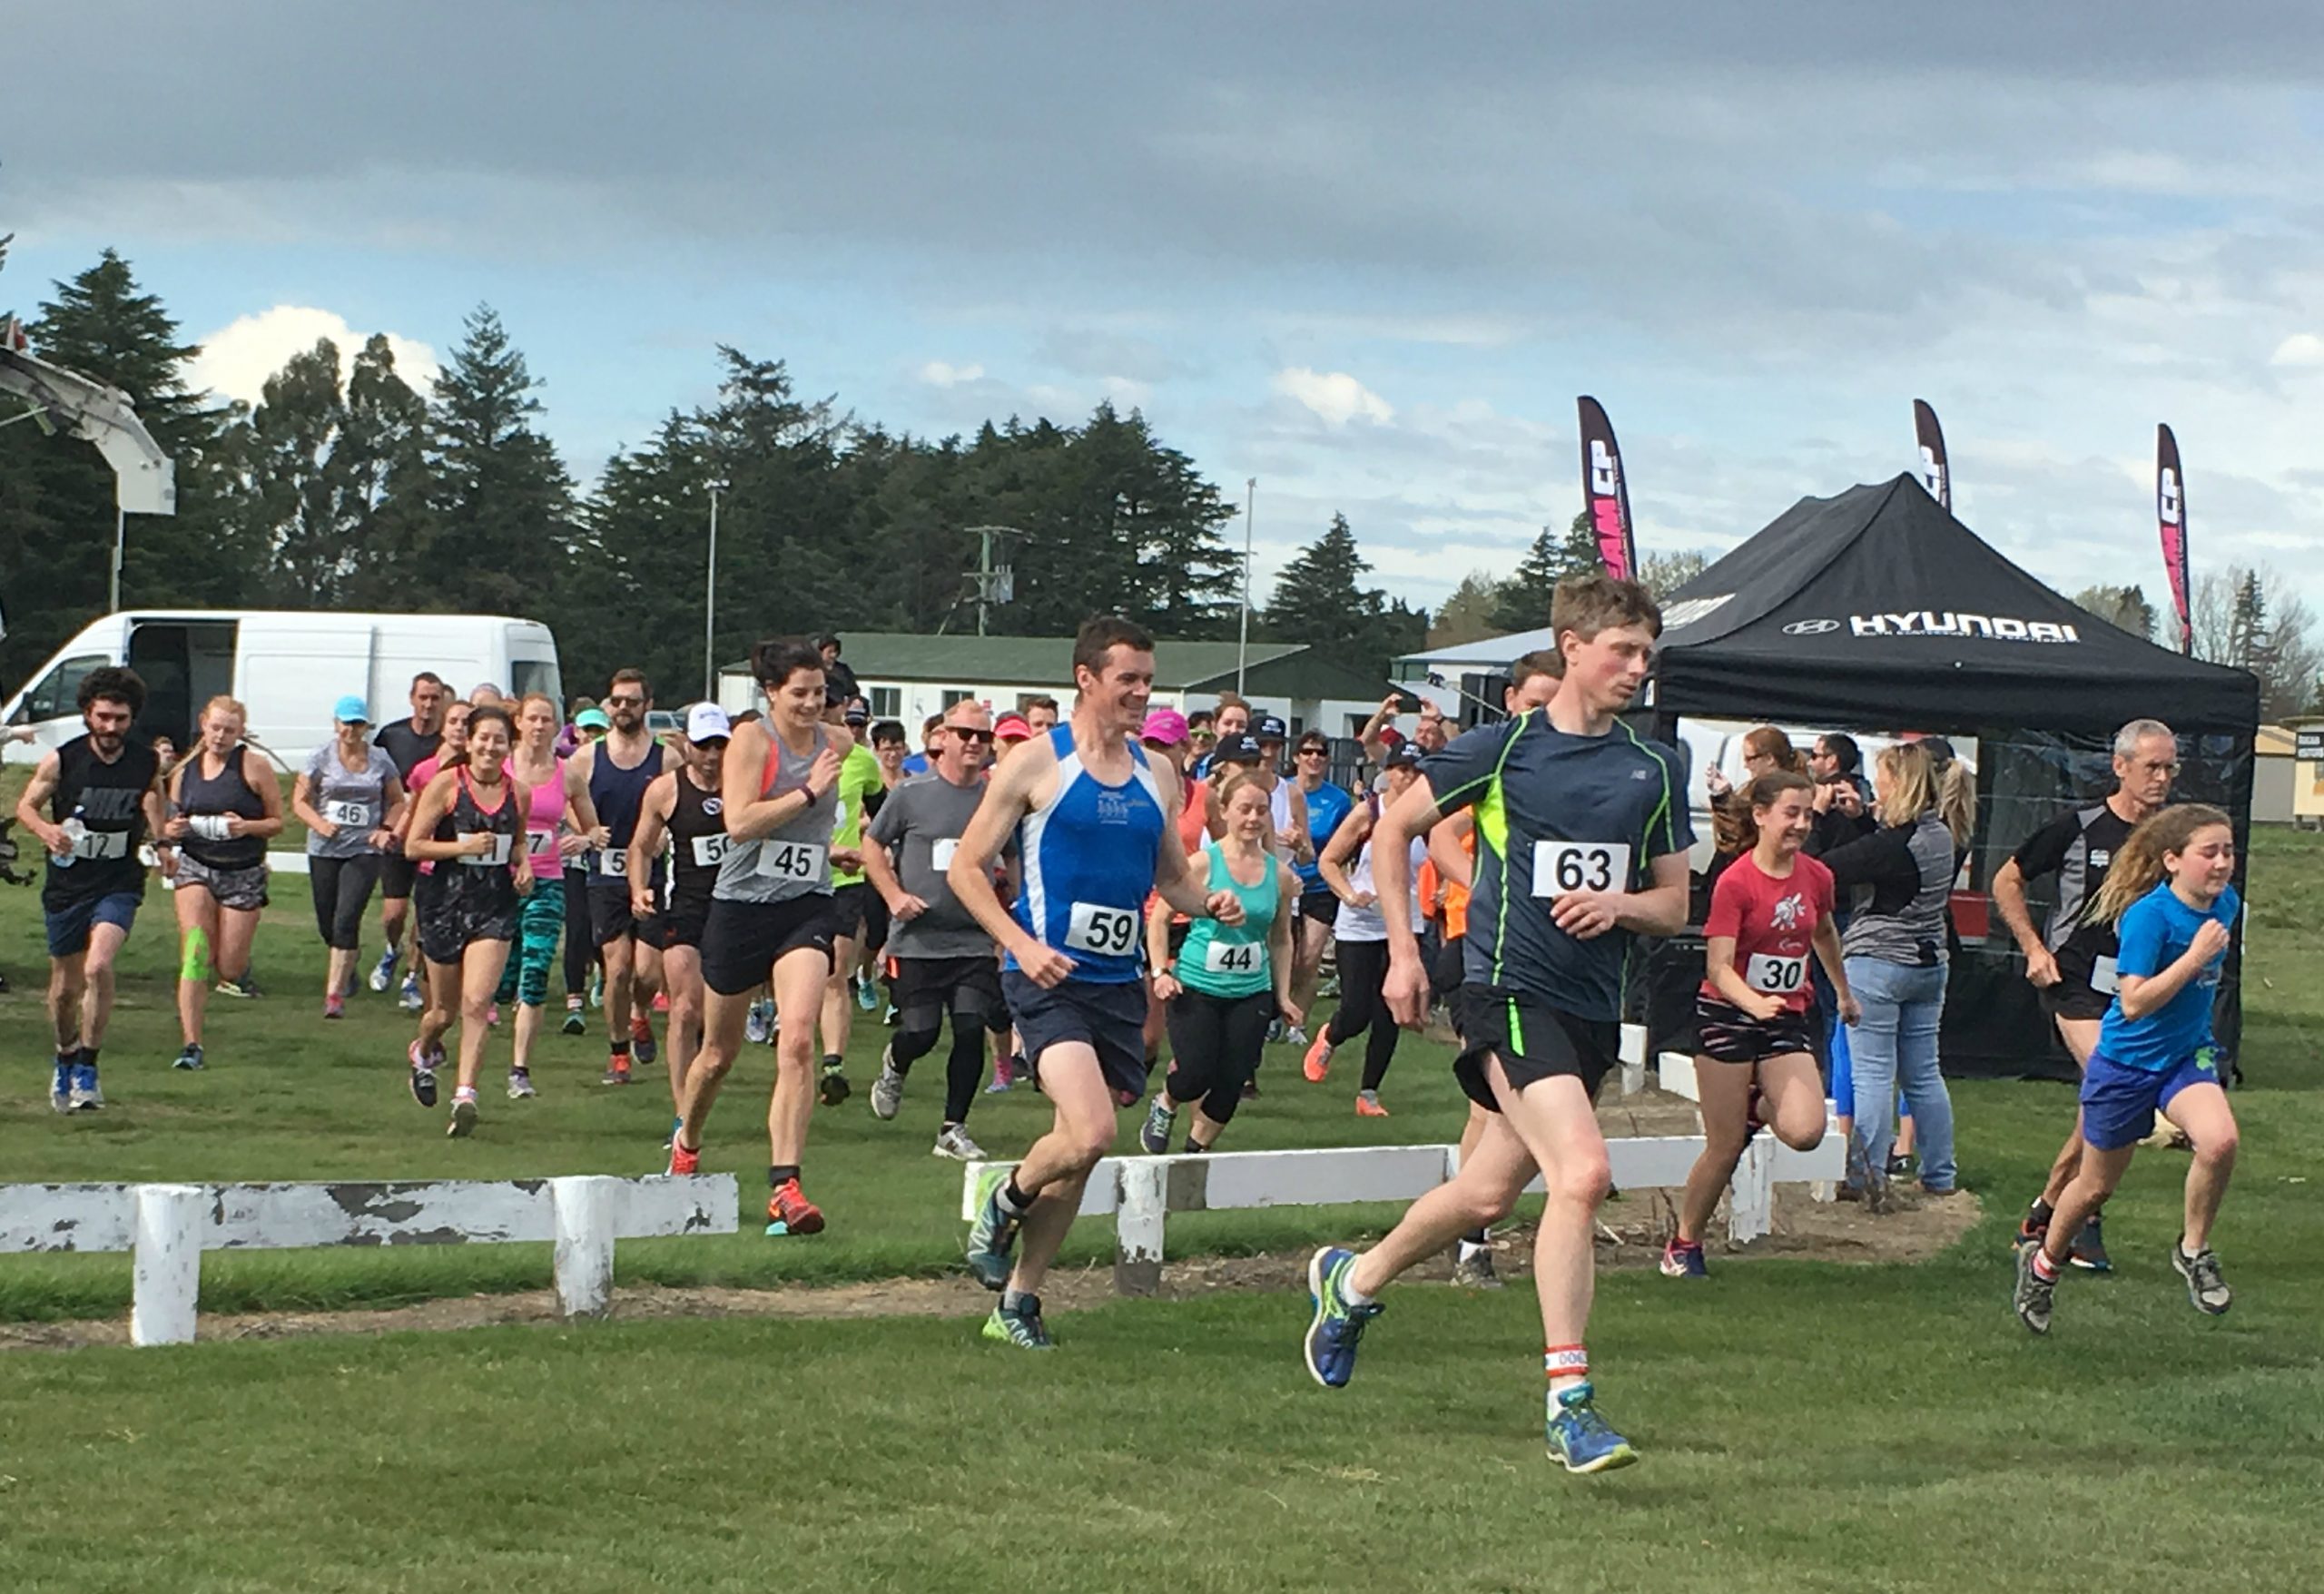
x,y
1250,513
710,605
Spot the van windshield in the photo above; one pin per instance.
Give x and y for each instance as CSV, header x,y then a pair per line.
x,y
530,675
55,696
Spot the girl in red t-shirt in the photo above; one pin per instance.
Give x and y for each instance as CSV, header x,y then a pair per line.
x,y
1768,913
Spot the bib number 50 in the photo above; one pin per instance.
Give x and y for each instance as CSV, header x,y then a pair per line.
x,y
1559,867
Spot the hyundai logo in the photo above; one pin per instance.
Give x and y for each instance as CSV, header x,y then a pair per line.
x,y
1810,627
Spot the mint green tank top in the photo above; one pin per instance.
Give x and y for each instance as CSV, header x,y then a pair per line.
x,y
1220,961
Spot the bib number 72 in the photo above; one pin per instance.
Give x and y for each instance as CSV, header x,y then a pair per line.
x,y
1559,867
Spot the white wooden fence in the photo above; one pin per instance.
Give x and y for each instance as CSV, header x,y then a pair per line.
x,y
168,1227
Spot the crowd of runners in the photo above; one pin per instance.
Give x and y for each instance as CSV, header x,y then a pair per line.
x,y
1069,888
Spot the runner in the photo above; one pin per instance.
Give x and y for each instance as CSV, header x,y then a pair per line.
x,y
1582,843
351,797
921,763
223,804
1009,733
1328,805
2168,891
943,958
1165,735
1348,869
2074,965
616,770
407,741
1224,984
888,749
1092,816
852,895
1770,909
686,806
1040,713
1202,738
560,824
469,821
771,908
584,965
102,795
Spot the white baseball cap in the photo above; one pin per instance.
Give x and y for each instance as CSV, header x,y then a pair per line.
x,y
707,722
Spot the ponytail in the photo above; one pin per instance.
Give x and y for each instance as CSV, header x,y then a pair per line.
x,y
2137,866
1920,782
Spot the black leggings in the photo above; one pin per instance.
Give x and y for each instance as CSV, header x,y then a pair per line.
x,y
916,1033
1363,971
342,890
580,946
1215,1045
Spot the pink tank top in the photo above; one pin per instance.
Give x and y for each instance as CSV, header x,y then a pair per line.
x,y
542,822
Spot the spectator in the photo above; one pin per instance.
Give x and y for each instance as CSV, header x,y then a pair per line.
x,y
921,763
837,677
1040,713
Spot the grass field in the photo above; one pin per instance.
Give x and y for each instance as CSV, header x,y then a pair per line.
x,y
1806,1425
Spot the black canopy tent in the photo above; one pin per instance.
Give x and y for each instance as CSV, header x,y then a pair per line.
x,y
1877,610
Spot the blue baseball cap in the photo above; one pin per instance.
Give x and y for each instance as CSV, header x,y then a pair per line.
x,y
350,711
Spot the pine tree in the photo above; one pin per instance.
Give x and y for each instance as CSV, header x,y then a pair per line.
x,y
500,495
1318,598
1525,596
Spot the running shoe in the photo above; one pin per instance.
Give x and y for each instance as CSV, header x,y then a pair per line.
x,y
1004,1075
789,1212
87,1096
437,1056
423,1077
1251,1089
616,1070
1899,1165
1023,1328
1277,1032
1473,1269
758,1027
1153,1134
189,1058
993,1235
661,1001
890,1017
2034,1227
576,1021
334,1006
596,988
463,1124
684,1160
1317,1064
1337,1329
383,972
1580,1438
409,998
832,1087
1367,1104
1296,1035
492,1017
60,1088
2033,1297
888,1089
641,1040
2205,1287
1680,1259
2089,1249
521,1084
952,1140
867,994
242,989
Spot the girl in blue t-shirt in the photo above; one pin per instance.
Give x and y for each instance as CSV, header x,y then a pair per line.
x,y
2168,894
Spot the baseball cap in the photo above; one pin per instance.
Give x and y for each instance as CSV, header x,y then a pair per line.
x,y
707,722
1166,726
857,714
1243,749
350,711
591,719
1273,729
1403,756
1011,728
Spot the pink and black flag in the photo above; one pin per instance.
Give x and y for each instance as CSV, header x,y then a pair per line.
x,y
1936,474
1606,494
2170,514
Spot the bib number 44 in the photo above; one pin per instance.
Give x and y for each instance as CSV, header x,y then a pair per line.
x,y
1223,959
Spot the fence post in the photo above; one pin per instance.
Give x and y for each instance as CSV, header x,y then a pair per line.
x,y
167,1268
582,1207
1750,1197
1139,1207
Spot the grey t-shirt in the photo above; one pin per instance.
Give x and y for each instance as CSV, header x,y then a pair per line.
x,y
356,802
920,823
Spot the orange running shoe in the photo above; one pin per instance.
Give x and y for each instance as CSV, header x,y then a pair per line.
x,y
791,1209
1368,1106
1318,1061
641,1039
684,1159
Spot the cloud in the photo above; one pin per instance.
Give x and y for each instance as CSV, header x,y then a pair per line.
x,y
2301,348
237,359
1335,395
938,373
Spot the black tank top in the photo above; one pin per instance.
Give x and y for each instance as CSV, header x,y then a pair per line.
x,y
619,793
480,885
229,792
697,843
109,801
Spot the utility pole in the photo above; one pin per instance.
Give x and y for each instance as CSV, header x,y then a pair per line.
x,y
710,605
993,585
1250,513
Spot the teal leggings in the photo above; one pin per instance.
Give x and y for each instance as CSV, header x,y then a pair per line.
x,y
542,918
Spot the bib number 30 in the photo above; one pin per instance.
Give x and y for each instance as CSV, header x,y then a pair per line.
x,y
1106,932
1775,976
1559,867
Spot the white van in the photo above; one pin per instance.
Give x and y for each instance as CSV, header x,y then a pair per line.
x,y
288,667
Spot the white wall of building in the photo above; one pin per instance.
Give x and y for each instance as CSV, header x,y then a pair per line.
x,y
913,700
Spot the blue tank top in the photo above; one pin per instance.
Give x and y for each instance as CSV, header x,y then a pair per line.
x,y
619,793
1088,865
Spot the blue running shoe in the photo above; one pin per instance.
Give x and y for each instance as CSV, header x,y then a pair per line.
x,y
1153,1134
1337,1326
60,1088
87,1096
1679,1261
867,994
383,972
758,1023
1022,1327
993,1235
1580,1438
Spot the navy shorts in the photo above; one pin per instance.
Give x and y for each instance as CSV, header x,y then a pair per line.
x,y
2119,1104
69,925
1108,1018
1533,1040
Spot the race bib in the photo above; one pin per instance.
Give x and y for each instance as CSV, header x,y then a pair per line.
x,y
1106,932
614,864
347,816
1559,867
539,844
710,851
941,853
794,860
497,858
99,846
1221,957
1776,976
2101,977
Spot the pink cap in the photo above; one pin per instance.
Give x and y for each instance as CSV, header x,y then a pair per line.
x,y
1011,728
1164,725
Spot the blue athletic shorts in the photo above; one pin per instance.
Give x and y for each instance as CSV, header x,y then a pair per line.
x,y
2119,1104
69,926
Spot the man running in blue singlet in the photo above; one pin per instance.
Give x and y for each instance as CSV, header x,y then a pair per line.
x,y
1095,826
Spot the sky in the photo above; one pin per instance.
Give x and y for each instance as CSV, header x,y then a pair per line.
x,y
1365,255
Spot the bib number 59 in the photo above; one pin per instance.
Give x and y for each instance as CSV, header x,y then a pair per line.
x,y
1105,932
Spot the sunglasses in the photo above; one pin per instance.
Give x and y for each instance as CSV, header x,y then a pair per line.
x,y
968,735
625,702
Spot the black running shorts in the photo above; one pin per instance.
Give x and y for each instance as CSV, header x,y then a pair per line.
x,y
1533,1041
2071,998
966,986
1731,1035
1108,1018
742,942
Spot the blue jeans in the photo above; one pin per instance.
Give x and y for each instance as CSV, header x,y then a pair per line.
x,y
1895,1044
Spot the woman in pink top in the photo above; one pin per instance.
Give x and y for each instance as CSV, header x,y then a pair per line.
x,y
561,823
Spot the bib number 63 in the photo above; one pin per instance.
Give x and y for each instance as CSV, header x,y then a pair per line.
x,y
1559,867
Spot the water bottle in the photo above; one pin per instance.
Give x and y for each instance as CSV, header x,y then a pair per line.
x,y
73,830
